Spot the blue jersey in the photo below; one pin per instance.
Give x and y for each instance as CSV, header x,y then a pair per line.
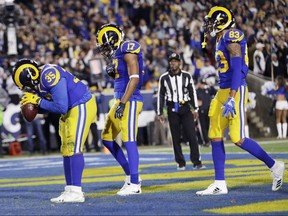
x,y
222,57
60,89
122,76
280,91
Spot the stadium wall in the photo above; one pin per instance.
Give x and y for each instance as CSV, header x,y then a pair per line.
x,y
262,109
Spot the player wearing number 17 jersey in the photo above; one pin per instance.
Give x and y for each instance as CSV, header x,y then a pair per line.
x,y
54,89
227,109
125,65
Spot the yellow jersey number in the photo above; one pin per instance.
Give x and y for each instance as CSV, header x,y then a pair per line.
x,y
234,34
130,46
222,63
50,76
115,61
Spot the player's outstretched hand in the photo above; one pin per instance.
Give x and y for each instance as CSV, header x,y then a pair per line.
x,y
229,108
119,110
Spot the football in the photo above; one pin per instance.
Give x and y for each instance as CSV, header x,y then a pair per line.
x,y
29,111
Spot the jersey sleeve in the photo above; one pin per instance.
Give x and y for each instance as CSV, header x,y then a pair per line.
x,y
131,47
233,36
50,76
59,104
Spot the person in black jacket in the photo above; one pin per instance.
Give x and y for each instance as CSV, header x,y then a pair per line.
x,y
176,88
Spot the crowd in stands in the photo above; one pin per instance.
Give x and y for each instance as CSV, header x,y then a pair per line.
x,y
63,32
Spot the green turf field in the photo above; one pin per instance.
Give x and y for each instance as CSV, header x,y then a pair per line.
x,y
28,183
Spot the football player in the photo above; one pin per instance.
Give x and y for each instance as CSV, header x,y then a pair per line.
x,y
54,89
125,66
227,109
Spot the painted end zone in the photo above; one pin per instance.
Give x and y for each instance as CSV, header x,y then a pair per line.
x,y
27,184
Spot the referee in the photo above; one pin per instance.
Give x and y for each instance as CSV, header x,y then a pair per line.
x,y
176,88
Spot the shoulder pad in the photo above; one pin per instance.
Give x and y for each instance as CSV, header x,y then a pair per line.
x,y
50,76
233,35
131,47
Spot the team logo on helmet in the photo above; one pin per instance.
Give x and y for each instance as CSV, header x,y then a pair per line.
x,y
108,39
26,74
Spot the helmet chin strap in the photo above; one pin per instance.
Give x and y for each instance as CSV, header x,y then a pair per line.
x,y
213,33
35,82
204,43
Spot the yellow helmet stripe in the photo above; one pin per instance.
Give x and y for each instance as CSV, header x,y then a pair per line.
x,y
106,29
20,69
217,8
221,26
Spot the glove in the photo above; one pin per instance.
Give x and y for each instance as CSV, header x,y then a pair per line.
x,y
119,110
229,107
30,98
110,70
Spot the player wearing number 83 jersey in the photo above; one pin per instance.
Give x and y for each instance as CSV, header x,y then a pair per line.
x,y
229,78
227,109
54,89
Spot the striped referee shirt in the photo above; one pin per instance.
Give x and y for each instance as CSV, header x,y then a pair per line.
x,y
176,88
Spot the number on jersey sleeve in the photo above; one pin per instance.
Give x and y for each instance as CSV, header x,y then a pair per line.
x,y
233,36
131,47
50,77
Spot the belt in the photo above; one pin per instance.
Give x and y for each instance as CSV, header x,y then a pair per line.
x,y
172,104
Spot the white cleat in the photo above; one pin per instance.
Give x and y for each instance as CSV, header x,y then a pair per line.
x,y
217,188
127,182
130,189
72,194
277,172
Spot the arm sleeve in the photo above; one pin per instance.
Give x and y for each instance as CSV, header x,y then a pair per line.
x,y
236,63
161,96
59,102
193,94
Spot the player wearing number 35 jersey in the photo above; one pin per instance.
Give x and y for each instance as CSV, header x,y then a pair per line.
x,y
54,89
227,109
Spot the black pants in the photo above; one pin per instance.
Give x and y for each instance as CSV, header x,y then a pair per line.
x,y
95,138
53,119
185,118
204,124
